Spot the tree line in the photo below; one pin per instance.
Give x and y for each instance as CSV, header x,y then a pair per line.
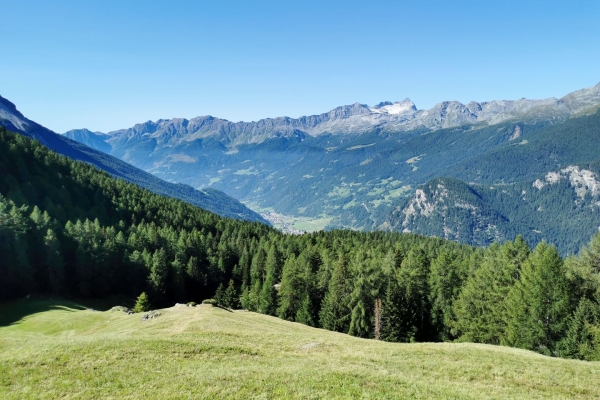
x,y
69,229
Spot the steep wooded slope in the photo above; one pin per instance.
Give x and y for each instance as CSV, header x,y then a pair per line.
x,y
209,199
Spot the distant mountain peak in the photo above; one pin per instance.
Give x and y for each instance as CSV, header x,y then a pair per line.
x,y
9,112
355,119
398,107
92,147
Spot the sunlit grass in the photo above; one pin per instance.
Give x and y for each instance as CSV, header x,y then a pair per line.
x,y
56,350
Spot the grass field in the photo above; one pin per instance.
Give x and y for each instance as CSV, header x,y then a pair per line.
x,y
52,349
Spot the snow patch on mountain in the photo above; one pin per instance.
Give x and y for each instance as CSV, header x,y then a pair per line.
x,y
396,108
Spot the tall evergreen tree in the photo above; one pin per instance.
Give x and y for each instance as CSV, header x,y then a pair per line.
x,y
582,338
292,290
158,278
445,281
480,309
362,298
231,298
539,302
335,311
54,262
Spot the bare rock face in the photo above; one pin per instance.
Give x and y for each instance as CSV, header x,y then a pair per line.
x,y
351,119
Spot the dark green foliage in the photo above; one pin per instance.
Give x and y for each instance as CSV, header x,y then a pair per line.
x,y
231,297
292,291
539,303
480,309
335,311
582,338
362,300
80,232
445,281
406,309
54,262
220,296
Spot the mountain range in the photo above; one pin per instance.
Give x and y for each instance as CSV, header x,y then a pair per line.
x,y
373,167
364,167
209,199
349,120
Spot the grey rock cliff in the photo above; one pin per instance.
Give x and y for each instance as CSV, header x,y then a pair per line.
x,y
351,119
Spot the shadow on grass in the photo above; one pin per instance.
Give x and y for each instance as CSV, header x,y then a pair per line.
x,y
14,311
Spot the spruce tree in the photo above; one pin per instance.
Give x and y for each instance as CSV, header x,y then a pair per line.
x,y
268,295
392,314
142,303
335,312
220,296
444,281
362,298
480,311
231,297
581,339
159,271
292,290
305,314
539,303
54,261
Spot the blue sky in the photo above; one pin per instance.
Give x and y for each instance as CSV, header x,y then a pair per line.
x,y
111,64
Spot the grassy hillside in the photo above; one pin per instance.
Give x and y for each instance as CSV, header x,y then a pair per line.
x,y
56,349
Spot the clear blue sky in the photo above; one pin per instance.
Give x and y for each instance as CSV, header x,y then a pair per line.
x,y
111,64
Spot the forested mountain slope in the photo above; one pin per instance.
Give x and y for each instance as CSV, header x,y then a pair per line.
x,y
362,178
210,199
562,207
69,229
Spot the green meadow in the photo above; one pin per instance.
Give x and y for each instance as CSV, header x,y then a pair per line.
x,y
57,349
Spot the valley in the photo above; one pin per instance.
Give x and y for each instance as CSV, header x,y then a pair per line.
x,y
292,224
238,200
357,167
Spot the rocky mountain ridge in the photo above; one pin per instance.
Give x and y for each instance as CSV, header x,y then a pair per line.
x,y
353,119
364,178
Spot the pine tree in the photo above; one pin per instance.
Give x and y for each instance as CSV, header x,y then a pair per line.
x,y
231,297
444,281
539,303
178,281
142,303
580,340
393,312
292,290
268,295
362,297
220,296
158,277
335,312
304,315
480,311
55,263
